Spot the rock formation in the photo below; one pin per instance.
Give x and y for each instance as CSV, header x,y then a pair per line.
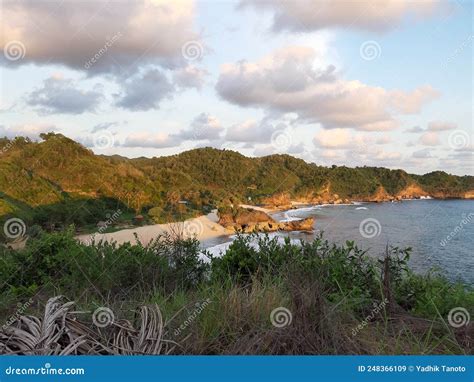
x,y
247,220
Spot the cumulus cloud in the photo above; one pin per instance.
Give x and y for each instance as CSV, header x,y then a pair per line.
x,y
411,102
288,81
441,126
60,95
203,127
310,15
145,91
429,138
383,140
422,154
190,77
333,139
414,129
294,149
253,131
150,140
30,130
72,32
104,126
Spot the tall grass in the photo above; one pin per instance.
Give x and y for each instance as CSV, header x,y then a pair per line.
x,y
261,297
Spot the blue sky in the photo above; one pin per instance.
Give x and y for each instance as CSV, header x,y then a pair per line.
x,y
367,84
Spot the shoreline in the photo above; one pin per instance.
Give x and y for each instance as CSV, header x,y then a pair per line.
x,y
204,228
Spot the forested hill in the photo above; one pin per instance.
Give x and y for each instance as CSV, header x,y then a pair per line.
x,y
57,180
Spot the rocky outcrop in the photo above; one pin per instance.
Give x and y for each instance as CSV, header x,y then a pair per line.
x,y
280,201
247,220
297,225
413,191
381,195
469,195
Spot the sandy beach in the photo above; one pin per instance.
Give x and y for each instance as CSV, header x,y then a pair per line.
x,y
202,228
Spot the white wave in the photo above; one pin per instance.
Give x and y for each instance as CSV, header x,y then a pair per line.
x,y
220,249
361,208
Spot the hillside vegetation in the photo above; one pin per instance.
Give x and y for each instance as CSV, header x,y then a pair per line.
x,y
57,182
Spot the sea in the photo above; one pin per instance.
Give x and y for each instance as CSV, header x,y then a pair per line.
x,y
440,232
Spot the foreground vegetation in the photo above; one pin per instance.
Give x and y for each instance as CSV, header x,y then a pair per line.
x,y
57,182
261,297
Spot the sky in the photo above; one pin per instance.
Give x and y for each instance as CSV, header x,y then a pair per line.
x,y
378,83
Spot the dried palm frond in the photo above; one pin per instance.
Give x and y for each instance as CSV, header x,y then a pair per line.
x,y
59,332
145,338
51,335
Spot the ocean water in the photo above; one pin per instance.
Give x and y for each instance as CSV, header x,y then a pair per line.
x,y
440,232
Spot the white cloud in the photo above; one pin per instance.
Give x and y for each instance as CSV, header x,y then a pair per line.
x,y
72,32
190,77
441,126
288,81
411,102
414,129
149,140
333,139
30,130
203,127
252,131
383,140
429,138
310,15
422,154
145,91
63,96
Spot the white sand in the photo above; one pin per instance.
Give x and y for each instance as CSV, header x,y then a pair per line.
x,y
266,210
203,228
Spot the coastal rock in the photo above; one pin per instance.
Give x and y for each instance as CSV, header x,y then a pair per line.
x,y
281,201
381,195
247,220
469,195
413,191
298,225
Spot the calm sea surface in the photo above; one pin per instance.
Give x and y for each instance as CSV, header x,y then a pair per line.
x,y
441,232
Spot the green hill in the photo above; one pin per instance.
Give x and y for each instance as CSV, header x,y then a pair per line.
x,y
57,181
